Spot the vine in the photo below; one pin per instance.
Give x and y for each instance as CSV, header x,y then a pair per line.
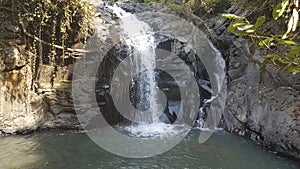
x,y
49,28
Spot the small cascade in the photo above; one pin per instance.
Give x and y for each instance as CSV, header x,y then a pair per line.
x,y
139,37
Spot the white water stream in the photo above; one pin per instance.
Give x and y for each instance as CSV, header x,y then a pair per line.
x,y
139,37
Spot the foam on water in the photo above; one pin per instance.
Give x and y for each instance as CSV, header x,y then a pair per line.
x,y
156,129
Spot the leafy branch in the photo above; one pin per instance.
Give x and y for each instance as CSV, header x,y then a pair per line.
x,y
289,58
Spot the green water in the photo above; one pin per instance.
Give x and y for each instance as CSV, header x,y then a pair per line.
x,y
70,150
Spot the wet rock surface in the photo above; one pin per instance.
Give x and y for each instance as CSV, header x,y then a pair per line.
x,y
176,40
262,106
26,104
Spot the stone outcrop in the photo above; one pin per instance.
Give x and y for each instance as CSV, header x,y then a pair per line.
x,y
172,34
29,103
35,73
263,106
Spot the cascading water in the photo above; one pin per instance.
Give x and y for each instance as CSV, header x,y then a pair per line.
x,y
139,37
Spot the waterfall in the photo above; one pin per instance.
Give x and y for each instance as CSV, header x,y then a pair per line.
x,y
139,37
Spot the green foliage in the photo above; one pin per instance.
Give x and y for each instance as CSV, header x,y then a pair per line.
x,y
260,21
208,6
196,6
47,28
241,26
280,9
57,22
146,1
289,55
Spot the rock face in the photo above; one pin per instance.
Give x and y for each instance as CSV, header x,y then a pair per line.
x,y
35,99
27,104
264,106
35,84
261,106
173,34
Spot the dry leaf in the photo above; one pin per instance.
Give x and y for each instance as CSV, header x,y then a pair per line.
x,y
296,18
290,26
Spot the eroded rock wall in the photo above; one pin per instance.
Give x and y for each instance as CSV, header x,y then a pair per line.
x,y
36,67
29,103
263,106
